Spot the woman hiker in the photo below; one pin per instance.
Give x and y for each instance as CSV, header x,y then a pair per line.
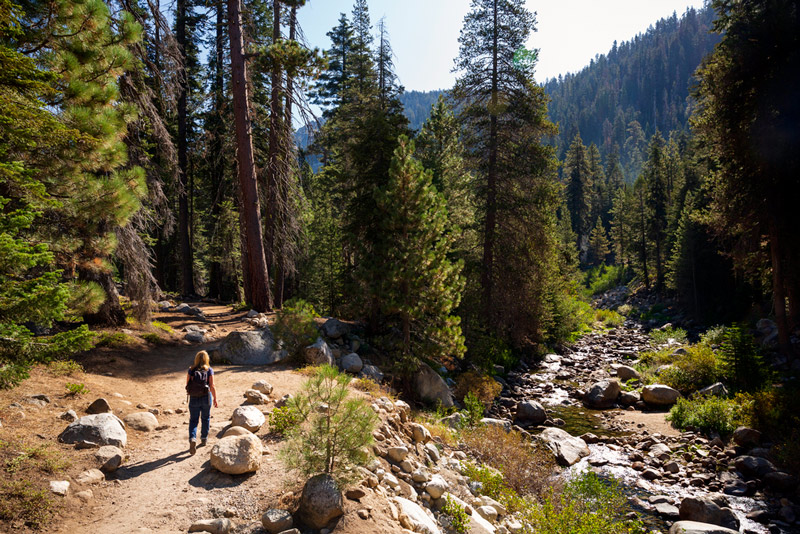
x,y
201,391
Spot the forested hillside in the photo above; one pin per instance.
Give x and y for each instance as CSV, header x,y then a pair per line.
x,y
621,98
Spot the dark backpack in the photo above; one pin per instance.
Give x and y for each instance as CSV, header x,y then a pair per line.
x,y
197,386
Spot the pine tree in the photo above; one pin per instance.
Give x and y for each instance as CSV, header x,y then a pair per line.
x,y
578,178
598,243
503,115
657,203
420,285
335,81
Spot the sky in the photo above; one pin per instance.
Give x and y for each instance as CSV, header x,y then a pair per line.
x,y
424,33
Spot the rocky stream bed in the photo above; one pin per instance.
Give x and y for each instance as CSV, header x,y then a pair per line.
x,y
731,484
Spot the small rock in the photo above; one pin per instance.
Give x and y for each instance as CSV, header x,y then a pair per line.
x,y
276,521
69,415
90,477
253,396
660,395
142,421
214,526
355,494
109,458
99,406
746,437
531,411
59,487
398,454
263,386
436,486
626,373
319,353
85,495
236,431
706,511
320,502
419,433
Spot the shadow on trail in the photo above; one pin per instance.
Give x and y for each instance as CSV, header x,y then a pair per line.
x,y
128,472
210,478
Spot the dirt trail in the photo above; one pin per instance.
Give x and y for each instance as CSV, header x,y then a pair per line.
x,y
160,487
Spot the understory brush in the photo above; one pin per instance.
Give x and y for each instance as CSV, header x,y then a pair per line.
x,y
295,327
707,414
482,387
605,277
663,335
587,504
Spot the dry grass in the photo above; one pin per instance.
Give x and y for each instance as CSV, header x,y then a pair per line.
x,y
373,389
526,467
484,387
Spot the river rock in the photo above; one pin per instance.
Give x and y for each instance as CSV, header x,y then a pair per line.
x,y
567,448
706,511
660,395
431,388
220,525
746,437
628,398
602,395
532,411
99,406
142,421
436,486
235,455
262,386
102,429
319,353
109,457
275,521
321,502
780,481
334,328
251,347
753,466
413,517
352,363
248,417
626,373
693,527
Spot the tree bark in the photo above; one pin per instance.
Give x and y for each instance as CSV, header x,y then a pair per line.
x,y
187,271
256,275
778,290
218,161
273,156
487,276
110,312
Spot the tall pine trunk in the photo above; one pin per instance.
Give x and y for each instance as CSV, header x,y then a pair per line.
x,y
218,161
778,290
487,276
256,277
187,274
273,163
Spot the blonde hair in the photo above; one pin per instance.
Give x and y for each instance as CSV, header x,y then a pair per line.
x,y
202,360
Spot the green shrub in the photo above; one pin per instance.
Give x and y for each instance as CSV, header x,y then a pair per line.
x,y
661,336
474,408
608,318
742,364
483,387
493,485
334,431
294,325
587,505
714,336
605,277
486,350
283,419
696,368
21,501
456,515
707,414
625,309
76,389
60,368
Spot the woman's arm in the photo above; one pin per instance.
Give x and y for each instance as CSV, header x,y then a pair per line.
x,y
213,389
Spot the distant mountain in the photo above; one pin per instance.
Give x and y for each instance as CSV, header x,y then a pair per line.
x,y
417,106
647,80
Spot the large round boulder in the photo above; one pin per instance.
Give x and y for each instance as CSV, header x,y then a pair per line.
x,y
235,455
602,395
660,395
251,347
334,328
531,411
143,421
321,502
706,511
352,363
626,373
319,353
567,448
248,417
101,428
431,388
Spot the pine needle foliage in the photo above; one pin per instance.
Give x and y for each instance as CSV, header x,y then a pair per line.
x,y
334,431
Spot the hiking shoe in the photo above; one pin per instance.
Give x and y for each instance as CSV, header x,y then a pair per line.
x,y
192,446
203,442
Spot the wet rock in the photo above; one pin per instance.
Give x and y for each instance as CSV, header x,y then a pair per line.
x,y
275,521
319,353
251,347
660,395
753,467
650,474
531,411
780,481
99,406
102,429
235,455
567,448
321,502
693,527
706,511
602,395
431,388
746,437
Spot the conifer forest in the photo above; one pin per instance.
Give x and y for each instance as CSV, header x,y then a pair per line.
x,y
203,151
